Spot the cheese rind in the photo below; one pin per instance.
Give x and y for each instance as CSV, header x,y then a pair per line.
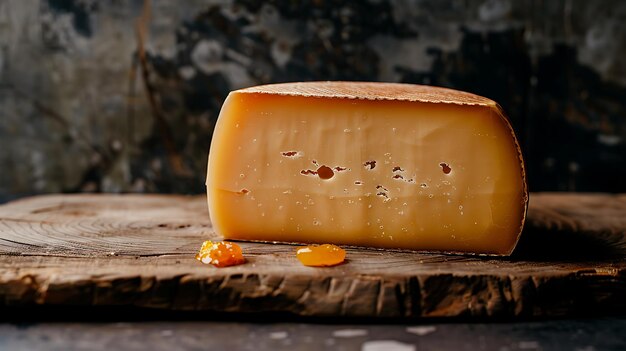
x,y
367,164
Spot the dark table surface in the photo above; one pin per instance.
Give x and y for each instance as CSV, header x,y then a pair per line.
x,y
573,334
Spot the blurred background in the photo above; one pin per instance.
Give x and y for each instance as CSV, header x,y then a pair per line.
x,y
122,96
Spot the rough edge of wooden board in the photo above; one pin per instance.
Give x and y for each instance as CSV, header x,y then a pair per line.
x,y
426,295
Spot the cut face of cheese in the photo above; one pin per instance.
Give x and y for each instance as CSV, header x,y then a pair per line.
x,y
367,164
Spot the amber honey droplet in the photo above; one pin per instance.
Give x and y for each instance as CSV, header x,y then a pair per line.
x,y
220,254
321,255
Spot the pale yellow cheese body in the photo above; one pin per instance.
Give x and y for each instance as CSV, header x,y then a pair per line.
x,y
433,175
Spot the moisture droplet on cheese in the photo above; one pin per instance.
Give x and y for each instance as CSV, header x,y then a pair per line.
x,y
361,151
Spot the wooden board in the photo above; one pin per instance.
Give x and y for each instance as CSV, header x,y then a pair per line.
x,y
137,250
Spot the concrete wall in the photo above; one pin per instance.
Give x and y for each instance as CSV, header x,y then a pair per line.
x,y
81,109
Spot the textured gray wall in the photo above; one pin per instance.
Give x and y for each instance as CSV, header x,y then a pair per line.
x,y
83,109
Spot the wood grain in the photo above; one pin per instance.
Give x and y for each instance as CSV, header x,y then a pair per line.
x,y
137,250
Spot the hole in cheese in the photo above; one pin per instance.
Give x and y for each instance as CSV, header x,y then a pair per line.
x,y
369,164
445,168
291,154
325,172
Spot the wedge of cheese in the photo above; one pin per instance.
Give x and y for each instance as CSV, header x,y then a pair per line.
x,y
367,164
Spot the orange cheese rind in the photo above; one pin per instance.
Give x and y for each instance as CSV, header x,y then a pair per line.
x,y
371,91
498,109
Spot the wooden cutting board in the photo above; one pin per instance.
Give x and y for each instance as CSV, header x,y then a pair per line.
x,y
104,250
